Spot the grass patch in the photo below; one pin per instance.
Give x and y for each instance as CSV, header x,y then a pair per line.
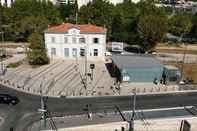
x,y
178,48
15,64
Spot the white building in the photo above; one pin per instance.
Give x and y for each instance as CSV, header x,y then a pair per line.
x,y
85,2
7,3
68,41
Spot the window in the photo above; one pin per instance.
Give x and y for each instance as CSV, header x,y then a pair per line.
x,y
66,52
53,39
74,52
82,52
96,40
65,40
95,52
53,51
74,40
82,40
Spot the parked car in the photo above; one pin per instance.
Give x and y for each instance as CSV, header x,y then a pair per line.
x,y
8,99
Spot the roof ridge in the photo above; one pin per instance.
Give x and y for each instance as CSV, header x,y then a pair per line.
x,y
85,28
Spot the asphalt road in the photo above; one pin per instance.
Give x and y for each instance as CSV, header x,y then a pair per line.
x,y
22,115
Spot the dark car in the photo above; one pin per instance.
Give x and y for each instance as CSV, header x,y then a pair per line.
x,y
8,99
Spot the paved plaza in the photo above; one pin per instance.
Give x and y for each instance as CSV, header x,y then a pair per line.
x,y
67,78
62,78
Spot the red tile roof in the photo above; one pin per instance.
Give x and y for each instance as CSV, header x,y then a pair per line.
x,y
84,28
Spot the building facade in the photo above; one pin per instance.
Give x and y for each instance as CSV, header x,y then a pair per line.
x,y
80,3
137,68
7,3
85,2
69,41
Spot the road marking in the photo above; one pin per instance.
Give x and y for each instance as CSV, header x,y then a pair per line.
x,y
161,109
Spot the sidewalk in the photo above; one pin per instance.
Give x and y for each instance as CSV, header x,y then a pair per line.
x,y
170,124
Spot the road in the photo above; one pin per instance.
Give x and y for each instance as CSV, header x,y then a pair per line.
x,y
21,115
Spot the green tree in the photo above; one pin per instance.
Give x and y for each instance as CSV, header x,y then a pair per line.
x,y
194,26
99,12
37,53
152,29
32,24
69,11
180,24
152,24
28,16
124,22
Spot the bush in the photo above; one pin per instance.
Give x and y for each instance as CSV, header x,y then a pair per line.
x,y
15,64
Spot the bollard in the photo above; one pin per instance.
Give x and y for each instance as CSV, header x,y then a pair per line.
x,y
11,129
166,89
152,89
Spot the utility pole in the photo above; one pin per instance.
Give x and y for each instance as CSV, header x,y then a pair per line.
x,y
184,55
86,78
183,61
1,50
42,108
76,18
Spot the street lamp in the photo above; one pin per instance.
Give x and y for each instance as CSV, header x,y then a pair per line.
x,y
1,51
2,36
184,55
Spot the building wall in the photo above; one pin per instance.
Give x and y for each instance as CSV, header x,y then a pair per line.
x,y
143,74
85,2
80,2
7,3
60,45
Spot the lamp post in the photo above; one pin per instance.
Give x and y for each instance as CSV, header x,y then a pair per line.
x,y
2,36
86,78
1,51
184,55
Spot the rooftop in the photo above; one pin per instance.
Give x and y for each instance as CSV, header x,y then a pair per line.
x,y
135,61
84,28
170,67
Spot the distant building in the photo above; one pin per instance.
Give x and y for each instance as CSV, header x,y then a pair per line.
x,y
181,5
137,68
69,41
7,3
80,3
85,2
